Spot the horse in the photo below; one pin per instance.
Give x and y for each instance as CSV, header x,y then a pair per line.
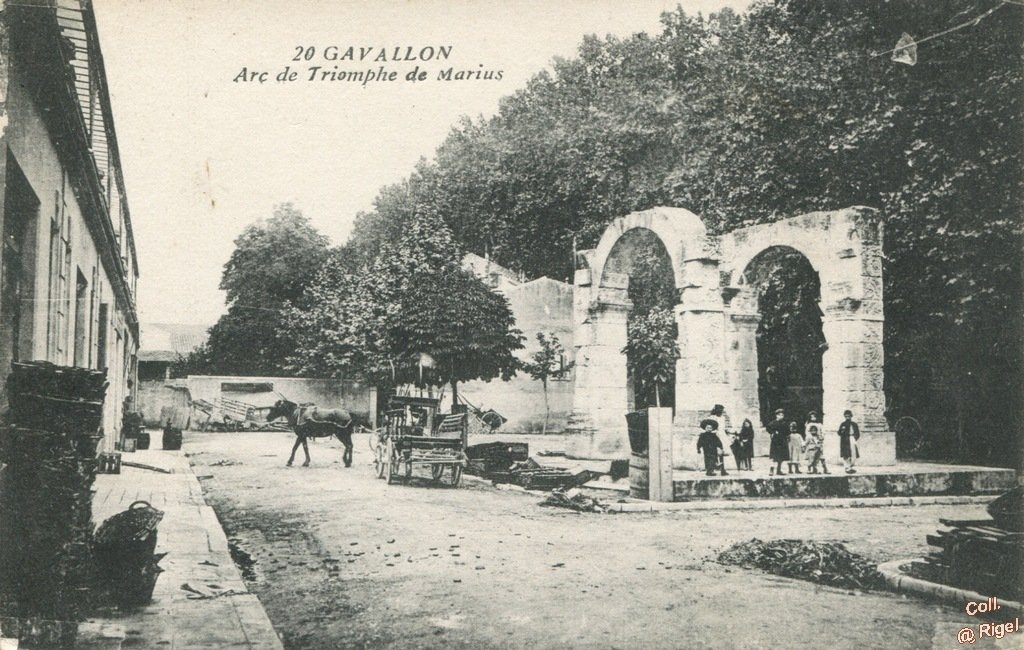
x,y
311,421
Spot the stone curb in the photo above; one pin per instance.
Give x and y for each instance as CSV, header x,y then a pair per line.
x,y
902,583
256,626
773,504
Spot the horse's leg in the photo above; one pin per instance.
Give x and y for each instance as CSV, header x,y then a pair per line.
x,y
346,439
305,448
295,447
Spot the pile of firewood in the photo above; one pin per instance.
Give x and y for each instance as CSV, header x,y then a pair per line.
x,y
828,563
980,555
49,447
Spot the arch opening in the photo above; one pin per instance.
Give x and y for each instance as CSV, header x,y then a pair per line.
x,y
651,330
790,340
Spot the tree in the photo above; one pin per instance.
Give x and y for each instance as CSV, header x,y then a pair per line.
x,y
271,265
652,350
411,300
547,363
652,335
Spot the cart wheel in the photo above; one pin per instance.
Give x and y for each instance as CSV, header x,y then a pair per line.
x,y
456,475
910,437
389,462
437,471
379,459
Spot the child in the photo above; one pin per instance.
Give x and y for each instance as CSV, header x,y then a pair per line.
x,y
746,440
709,445
814,445
796,445
849,434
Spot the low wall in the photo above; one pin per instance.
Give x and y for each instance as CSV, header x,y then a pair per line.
x,y
160,401
521,400
157,400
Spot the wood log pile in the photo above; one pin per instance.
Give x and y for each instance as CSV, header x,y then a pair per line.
x,y
982,555
48,444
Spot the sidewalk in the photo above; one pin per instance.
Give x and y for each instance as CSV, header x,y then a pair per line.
x,y
197,554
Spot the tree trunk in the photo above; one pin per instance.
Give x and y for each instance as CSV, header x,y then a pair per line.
x,y
455,393
547,410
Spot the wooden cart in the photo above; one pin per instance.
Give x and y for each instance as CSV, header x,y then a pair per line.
x,y
416,434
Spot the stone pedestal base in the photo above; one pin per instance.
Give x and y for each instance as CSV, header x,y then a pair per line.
x,y
684,455
597,444
660,443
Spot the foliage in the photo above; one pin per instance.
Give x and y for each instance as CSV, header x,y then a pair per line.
x,y
546,363
783,110
270,267
652,350
651,331
412,299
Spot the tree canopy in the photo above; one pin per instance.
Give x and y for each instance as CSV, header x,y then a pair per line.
x,y
272,263
410,315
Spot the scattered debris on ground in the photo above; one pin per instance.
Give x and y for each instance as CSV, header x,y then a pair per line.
x,y
152,468
574,500
828,563
224,463
196,594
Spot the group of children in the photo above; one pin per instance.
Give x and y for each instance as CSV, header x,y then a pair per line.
x,y
788,444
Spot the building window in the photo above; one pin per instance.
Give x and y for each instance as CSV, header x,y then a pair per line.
x,y
81,320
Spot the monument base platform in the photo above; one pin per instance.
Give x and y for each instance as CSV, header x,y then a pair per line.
x,y
902,479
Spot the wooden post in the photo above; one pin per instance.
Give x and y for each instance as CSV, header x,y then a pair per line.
x,y
659,451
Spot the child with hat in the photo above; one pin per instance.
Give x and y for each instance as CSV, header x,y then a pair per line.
x,y
709,444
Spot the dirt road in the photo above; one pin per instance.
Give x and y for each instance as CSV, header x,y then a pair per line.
x,y
340,559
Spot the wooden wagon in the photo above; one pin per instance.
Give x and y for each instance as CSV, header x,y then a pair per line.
x,y
415,434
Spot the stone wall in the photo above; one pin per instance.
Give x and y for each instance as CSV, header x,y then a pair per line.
x,y
541,305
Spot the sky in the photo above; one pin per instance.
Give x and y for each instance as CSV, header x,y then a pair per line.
x,y
205,154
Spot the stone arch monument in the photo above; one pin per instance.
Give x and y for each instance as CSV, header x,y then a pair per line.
x,y
717,316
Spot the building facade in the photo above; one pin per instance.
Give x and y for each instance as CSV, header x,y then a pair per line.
x,y
68,265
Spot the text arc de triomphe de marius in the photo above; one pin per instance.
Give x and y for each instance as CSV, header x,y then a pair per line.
x,y
717,317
